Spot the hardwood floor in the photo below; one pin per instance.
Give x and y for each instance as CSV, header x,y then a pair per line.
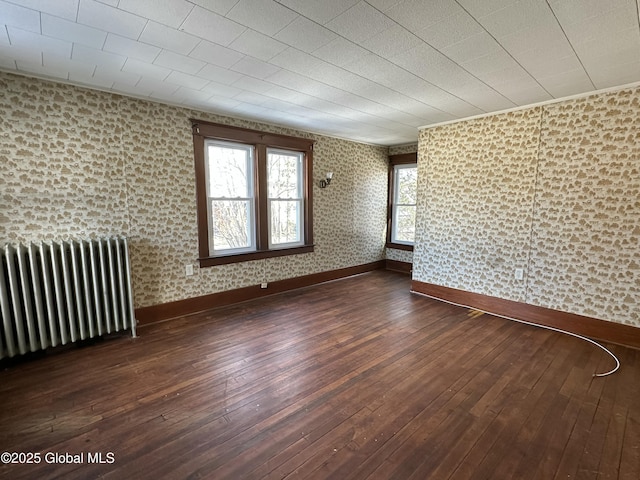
x,y
352,379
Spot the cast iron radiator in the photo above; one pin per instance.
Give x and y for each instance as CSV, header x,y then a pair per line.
x,y
61,292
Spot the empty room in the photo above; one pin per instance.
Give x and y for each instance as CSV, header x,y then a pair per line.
x,y
320,239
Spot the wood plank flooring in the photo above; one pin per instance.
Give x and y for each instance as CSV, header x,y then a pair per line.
x,y
351,379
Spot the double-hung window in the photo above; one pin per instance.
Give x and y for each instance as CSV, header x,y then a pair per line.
x,y
253,193
403,186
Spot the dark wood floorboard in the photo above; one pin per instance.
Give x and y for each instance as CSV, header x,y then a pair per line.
x,y
352,379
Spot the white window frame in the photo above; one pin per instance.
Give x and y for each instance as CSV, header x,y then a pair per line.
x,y
299,199
251,199
396,203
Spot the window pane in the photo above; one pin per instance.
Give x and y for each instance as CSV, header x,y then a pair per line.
x,y
405,223
285,221
229,170
407,179
284,172
231,224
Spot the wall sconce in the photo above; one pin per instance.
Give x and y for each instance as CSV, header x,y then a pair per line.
x,y
324,183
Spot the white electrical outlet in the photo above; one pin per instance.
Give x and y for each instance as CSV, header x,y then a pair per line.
x,y
519,274
189,269
263,285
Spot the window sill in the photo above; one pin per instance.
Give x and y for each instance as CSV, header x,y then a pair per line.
x,y
245,257
399,246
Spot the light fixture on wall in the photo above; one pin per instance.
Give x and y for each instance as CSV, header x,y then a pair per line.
x,y
325,182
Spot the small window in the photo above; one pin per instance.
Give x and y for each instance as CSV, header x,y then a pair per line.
x,y
253,194
403,185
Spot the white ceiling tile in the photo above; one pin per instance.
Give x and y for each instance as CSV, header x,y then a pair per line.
x,y
255,68
340,52
476,46
252,98
305,35
549,37
190,94
257,45
419,14
178,62
20,17
297,61
133,90
384,5
106,74
253,85
303,84
167,12
168,38
60,8
215,54
622,47
498,60
211,26
540,65
218,6
215,88
450,30
104,17
146,70
566,83
72,32
616,75
92,80
485,98
360,22
83,54
4,37
480,8
41,71
156,86
113,3
518,16
186,80
570,12
524,93
219,74
320,11
26,40
264,16
289,95
25,55
70,66
391,41
131,48
222,103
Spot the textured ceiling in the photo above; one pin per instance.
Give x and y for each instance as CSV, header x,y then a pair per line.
x,y
371,71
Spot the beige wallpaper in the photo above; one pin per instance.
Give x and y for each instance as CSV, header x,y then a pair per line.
x,y
79,163
554,190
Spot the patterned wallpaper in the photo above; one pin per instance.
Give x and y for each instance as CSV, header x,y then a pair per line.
x,y
80,163
554,190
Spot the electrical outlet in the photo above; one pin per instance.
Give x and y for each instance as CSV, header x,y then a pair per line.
x,y
189,269
519,274
264,285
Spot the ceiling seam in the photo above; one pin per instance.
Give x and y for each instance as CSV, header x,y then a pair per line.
x,y
571,44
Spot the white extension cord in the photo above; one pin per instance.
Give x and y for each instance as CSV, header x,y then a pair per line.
x,y
539,326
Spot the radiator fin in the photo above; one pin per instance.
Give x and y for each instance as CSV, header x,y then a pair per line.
x,y
60,292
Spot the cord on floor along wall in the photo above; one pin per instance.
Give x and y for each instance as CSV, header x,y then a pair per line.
x,y
539,326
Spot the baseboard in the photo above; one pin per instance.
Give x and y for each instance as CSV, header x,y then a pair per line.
x,y
398,266
610,332
188,306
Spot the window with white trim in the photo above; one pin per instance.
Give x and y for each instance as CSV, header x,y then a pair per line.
x,y
253,194
403,186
